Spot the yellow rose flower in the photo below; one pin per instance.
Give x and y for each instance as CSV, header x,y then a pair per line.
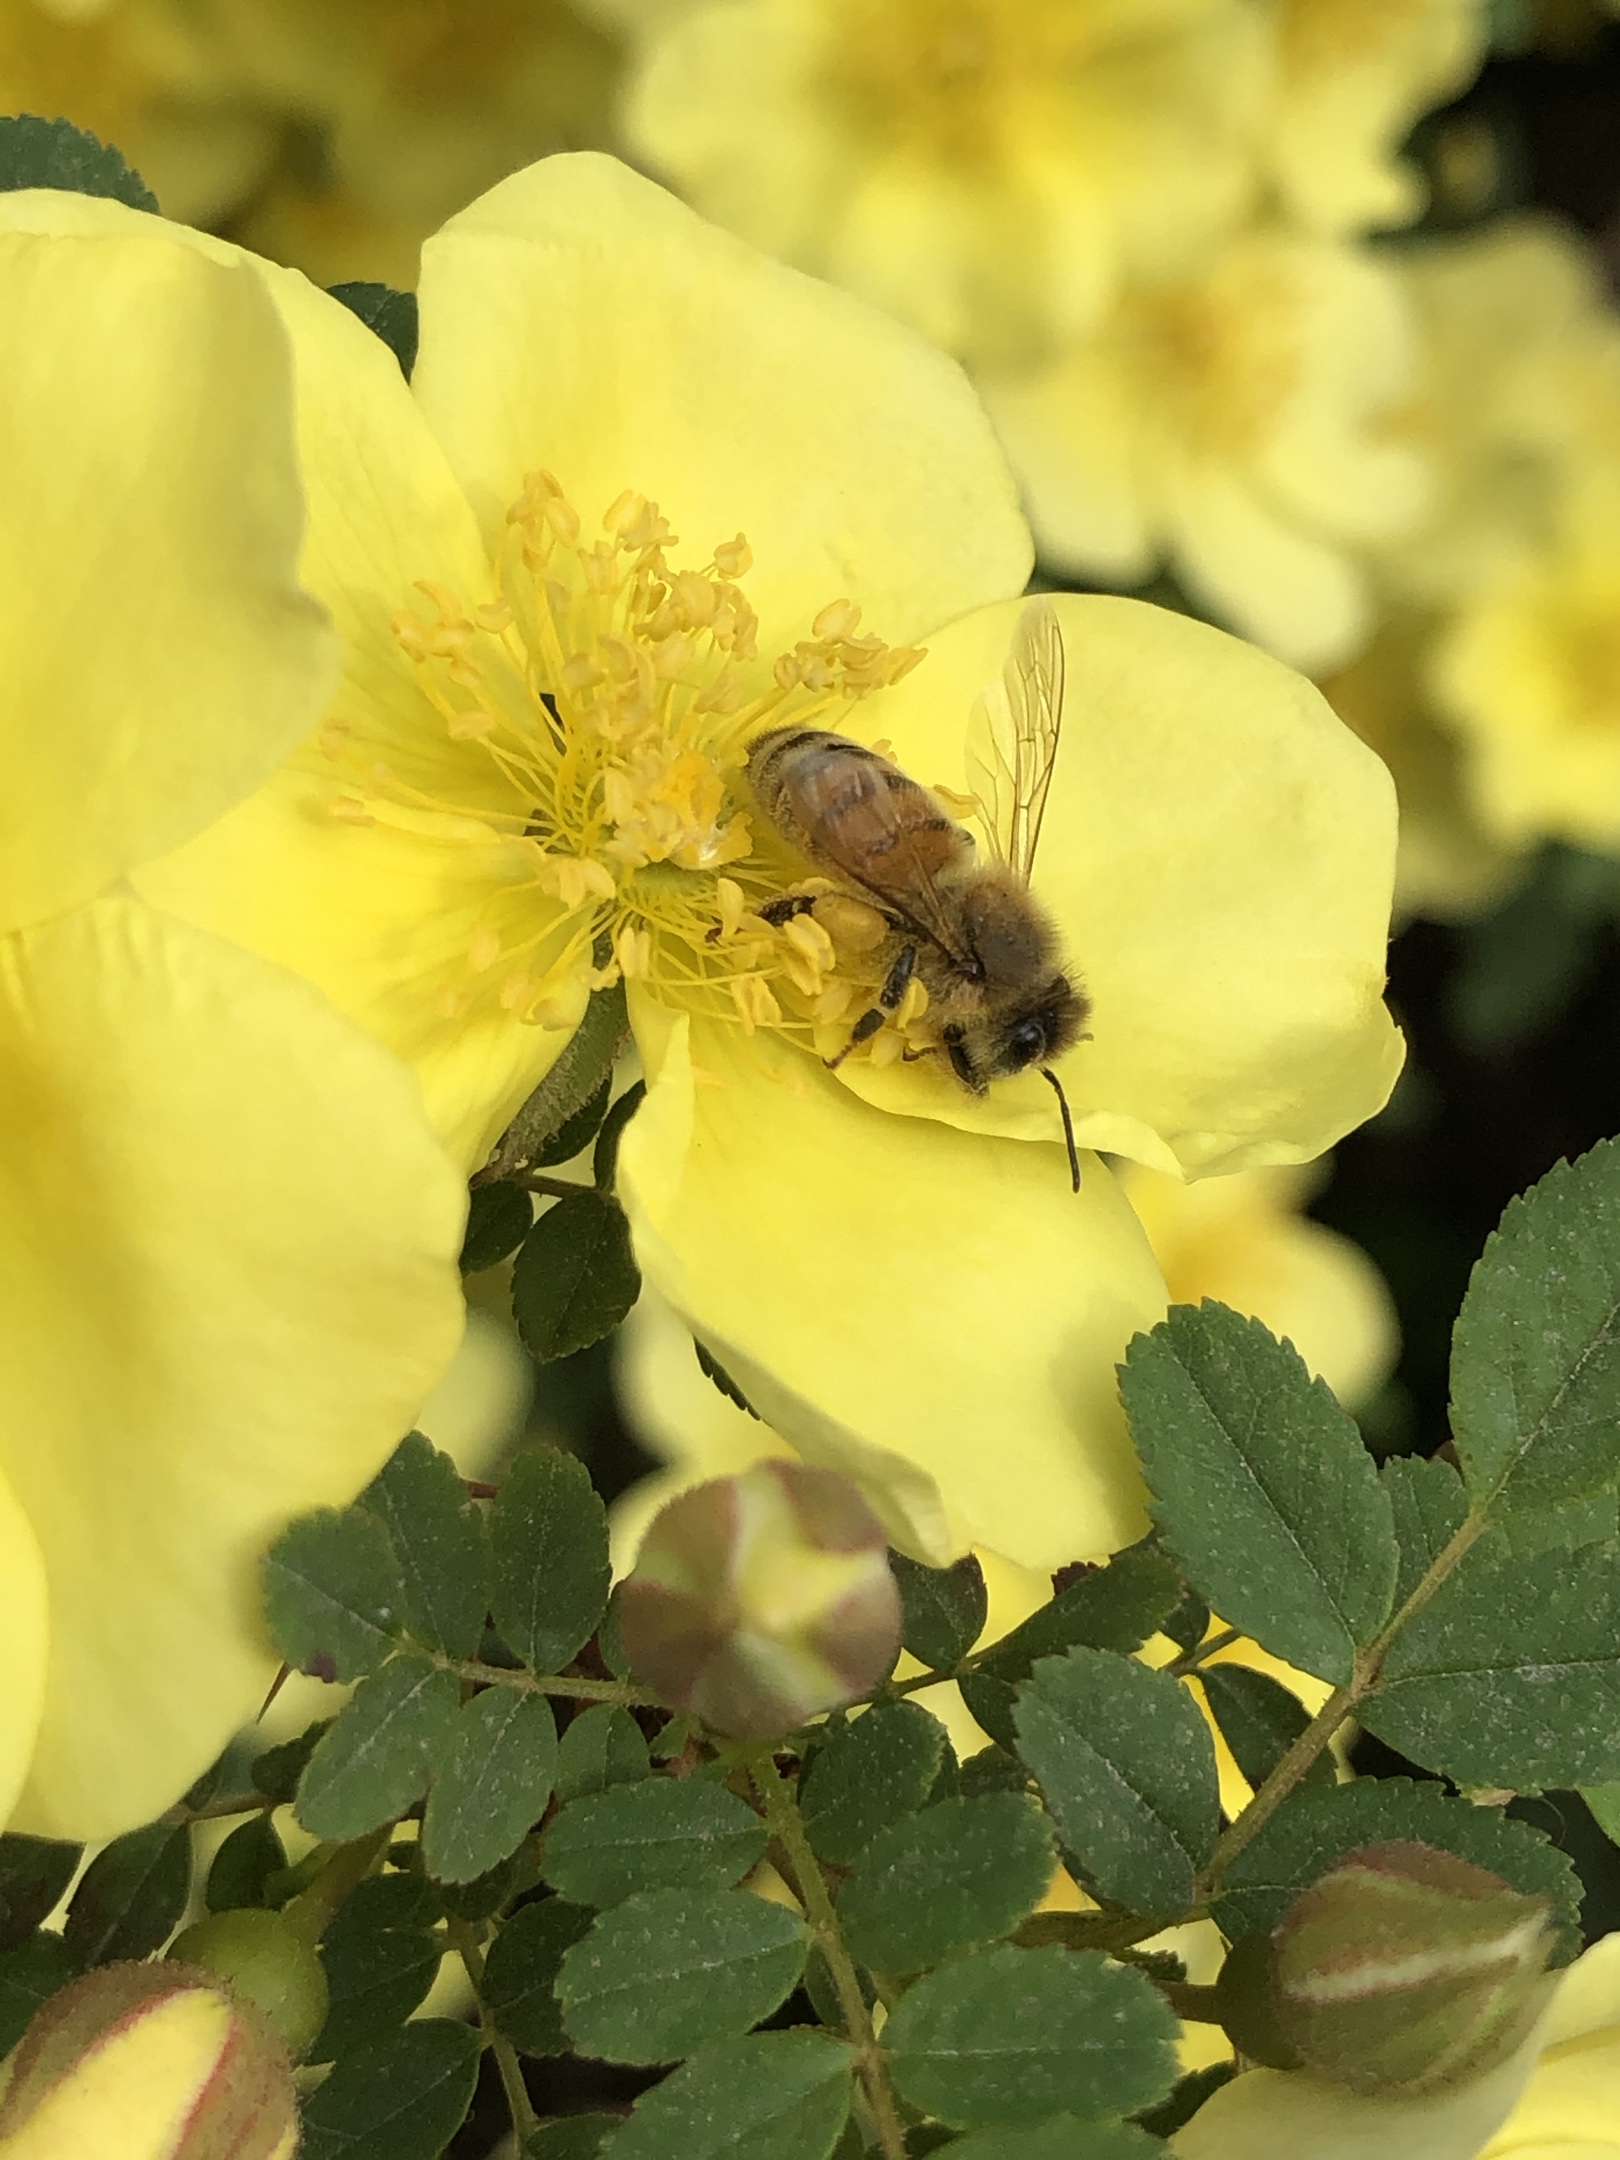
x,y
1352,76
1236,424
150,76
419,105
1528,673
1553,2100
1245,1241
534,761
228,1235
986,171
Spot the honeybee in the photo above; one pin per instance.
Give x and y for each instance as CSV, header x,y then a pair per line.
x,y
970,931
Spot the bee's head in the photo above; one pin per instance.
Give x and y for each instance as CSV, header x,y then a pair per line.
x,y
1039,1031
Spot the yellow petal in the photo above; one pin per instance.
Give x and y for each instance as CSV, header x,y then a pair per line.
x,y
934,1313
23,1629
580,319
228,1246
383,919
157,658
1218,852
1285,2115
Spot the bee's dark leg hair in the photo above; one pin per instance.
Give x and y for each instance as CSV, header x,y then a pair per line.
x,y
785,907
961,1063
894,989
1068,1123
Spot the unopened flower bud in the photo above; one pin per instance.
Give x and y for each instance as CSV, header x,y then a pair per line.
x,y
149,2062
265,1958
1407,1970
759,1600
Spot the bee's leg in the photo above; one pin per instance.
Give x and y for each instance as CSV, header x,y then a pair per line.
x,y
785,907
955,1046
888,1001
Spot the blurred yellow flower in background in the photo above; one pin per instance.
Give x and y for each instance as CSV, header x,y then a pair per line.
x,y
1553,2100
152,76
1236,423
988,172
228,1237
1352,76
408,109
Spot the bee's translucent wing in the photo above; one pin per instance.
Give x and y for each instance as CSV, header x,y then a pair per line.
x,y
1014,738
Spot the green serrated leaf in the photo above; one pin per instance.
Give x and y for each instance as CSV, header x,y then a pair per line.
x,y
244,1864
520,1973
577,1131
131,1897
30,1974
572,2137
1535,1367
993,1769
499,1217
1260,1721
387,314
1510,1675
942,1609
1061,2137
334,1594
1116,1607
660,1834
601,1746
36,153
870,1770
1014,2036
381,1957
1127,1766
438,1538
1189,1623
491,1785
586,1060
960,1873
771,2096
990,1702
575,1276
402,2096
670,1971
276,1772
373,1763
1186,2098
1604,1802
1428,1504
1309,1833
549,1552
1262,1486
34,1872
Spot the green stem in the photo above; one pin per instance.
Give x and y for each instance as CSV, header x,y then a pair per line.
x,y
570,1685
467,1942
241,1803
555,1188
1201,1653
786,1825
312,1910
1341,1704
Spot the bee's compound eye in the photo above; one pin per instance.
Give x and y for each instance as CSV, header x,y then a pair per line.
x,y
1025,1043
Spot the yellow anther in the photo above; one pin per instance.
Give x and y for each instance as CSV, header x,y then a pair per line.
x,y
562,518
472,725
633,949
673,657
695,597
581,672
808,937
494,616
350,810
733,906
450,1003
623,512
518,990
756,1006
885,1048
913,1005
483,949
734,558
834,1001
838,620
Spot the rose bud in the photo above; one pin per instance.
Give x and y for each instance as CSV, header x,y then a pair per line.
x,y
758,1601
1407,1970
149,2062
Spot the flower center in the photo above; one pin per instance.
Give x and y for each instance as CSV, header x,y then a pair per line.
x,y
1223,352
952,78
591,727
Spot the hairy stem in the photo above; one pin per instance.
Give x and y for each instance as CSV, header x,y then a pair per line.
x,y
312,1910
787,1827
468,1943
1341,1704
570,1685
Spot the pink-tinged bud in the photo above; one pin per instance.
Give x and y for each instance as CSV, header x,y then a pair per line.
x,y
1406,1970
758,1601
149,2062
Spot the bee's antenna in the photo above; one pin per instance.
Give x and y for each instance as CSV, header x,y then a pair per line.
x,y
1068,1123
